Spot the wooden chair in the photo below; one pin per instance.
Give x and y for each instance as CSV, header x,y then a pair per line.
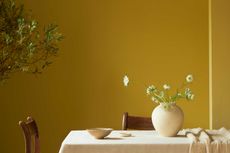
x,y
31,135
136,122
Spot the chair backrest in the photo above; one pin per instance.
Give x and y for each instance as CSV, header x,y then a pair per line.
x,y
136,122
31,135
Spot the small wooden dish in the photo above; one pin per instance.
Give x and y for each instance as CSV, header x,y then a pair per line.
x,y
99,133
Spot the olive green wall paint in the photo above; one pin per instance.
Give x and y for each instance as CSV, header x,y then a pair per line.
x,y
154,42
220,66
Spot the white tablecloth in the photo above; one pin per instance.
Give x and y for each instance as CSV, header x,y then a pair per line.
x,y
140,142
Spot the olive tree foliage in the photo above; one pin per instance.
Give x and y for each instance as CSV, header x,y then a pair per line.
x,y
24,46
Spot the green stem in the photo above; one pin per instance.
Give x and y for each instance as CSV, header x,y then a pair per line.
x,y
159,97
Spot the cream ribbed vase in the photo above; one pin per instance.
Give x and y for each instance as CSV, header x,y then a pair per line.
x,y
167,121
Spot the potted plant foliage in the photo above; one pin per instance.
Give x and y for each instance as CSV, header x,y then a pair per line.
x,y
167,117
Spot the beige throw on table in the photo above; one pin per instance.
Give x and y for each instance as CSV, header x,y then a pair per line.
x,y
208,141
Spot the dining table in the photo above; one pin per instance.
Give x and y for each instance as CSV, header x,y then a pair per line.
x,y
142,141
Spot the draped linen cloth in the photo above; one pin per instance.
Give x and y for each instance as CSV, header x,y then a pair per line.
x,y
208,141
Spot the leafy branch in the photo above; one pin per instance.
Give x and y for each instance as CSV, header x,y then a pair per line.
x,y
24,46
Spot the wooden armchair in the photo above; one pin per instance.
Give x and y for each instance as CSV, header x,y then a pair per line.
x,y
136,122
31,135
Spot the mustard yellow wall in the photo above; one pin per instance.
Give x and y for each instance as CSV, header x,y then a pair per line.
x,y
221,62
152,41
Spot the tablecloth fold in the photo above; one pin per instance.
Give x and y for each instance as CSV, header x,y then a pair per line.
x,y
208,141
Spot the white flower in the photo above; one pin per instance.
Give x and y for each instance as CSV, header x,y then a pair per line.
x,y
189,78
150,89
166,86
126,80
154,100
187,91
192,97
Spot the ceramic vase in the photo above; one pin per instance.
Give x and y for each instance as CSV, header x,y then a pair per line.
x,y
167,119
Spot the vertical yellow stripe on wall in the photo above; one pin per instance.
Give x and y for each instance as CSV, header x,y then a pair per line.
x,y
210,63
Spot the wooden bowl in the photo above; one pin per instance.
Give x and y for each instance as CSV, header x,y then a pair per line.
x,y
99,133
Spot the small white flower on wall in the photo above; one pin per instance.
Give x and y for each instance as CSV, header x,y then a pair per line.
x,y
126,80
189,78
